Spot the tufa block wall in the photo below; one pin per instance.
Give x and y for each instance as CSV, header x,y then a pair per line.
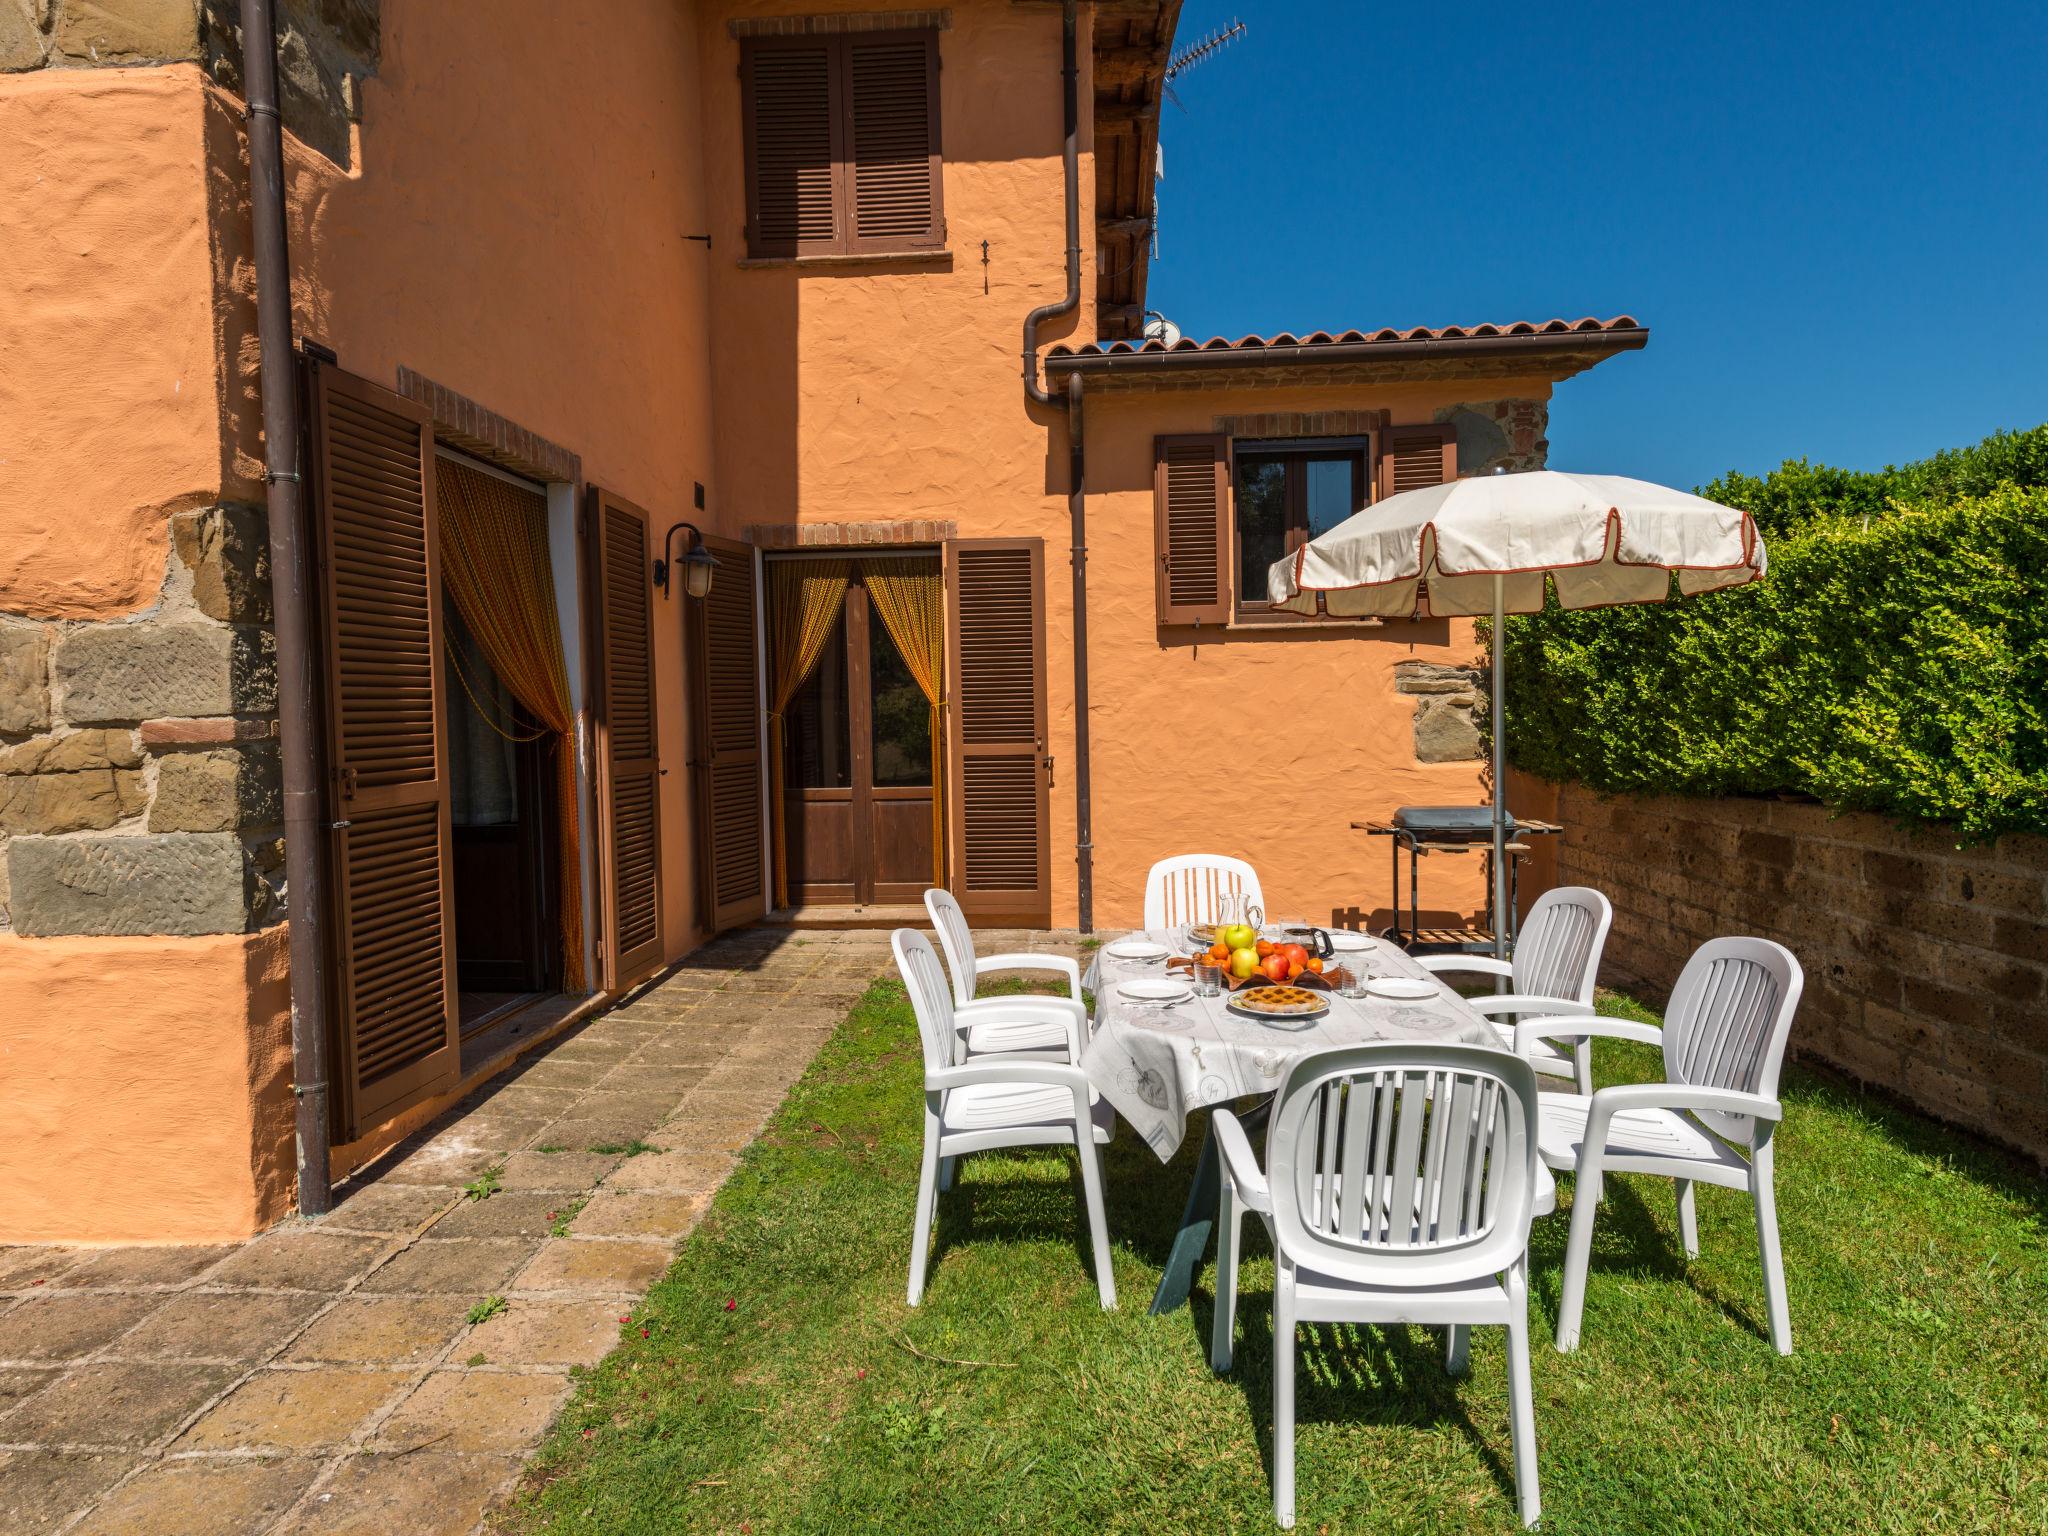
x,y
1926,964
139,779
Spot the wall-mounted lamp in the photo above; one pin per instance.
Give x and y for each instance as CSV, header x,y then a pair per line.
x,y
698,562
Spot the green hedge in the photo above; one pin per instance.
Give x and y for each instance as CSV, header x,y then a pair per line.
x,y
1898,665
1798,493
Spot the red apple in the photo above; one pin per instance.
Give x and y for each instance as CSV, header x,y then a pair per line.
x,y
1275,967
1295,953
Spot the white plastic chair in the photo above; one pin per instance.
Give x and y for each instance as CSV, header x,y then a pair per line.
x,y
1190,889
1402,1183
992,1024
1724,1041
1556,962
995,1101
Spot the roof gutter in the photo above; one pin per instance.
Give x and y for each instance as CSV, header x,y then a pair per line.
x,y
1070,155
1327,353
305,895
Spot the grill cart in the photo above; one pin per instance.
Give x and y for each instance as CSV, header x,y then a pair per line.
x,y
1422,830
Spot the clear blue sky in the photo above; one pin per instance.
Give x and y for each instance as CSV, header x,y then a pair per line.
x,y
1833,218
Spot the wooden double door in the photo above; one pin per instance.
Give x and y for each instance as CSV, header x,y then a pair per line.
x,y
857,771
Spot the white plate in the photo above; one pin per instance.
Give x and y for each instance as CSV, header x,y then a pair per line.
x,y
1136,949
1154,991
1407,988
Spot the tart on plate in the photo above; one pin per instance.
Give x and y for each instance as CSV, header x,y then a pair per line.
x,y
1280,1002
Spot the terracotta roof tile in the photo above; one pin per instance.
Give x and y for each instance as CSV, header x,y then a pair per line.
x,y
1587,326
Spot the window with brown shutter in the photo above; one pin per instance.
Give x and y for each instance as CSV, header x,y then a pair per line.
x,y
842,143
998,771
1190,496
380,649
1224,510
629,784
726,763
1285,493
1413,457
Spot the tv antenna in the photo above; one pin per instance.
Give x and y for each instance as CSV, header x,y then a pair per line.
x,y
1195,53
1178,64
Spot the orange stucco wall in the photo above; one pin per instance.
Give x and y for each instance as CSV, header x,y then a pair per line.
x,y
109,409
893,391
889,390
512,226
144,1088
1261,743
144,1083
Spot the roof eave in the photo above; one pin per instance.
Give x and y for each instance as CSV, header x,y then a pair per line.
x,y
1132,43
1562,354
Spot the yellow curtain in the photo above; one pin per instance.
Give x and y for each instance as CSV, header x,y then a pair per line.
x,y
494,562
910,596
804,597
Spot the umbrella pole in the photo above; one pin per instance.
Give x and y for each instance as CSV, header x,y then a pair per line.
x,y
1500,783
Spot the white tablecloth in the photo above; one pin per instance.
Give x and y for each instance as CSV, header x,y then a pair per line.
x,y
1155,1064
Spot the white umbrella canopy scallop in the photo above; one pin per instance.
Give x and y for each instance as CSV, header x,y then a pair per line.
x,y
1600,539
1491,545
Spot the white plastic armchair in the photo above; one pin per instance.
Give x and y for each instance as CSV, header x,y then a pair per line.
x,y
978,1104
1007,1025
1710,1121
1193,887
1402,1181
1556,962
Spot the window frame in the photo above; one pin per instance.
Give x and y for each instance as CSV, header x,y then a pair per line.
x,y
1361,449
846,241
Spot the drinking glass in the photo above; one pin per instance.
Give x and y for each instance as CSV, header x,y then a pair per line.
x,y
1352,957
1208,979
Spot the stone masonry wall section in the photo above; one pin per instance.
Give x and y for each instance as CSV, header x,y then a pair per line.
x,y
1451,702
325,48
1926,964
139,775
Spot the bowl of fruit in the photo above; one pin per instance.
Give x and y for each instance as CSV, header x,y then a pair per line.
x,y
1247,960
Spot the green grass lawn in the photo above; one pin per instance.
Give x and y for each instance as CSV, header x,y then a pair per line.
x,y
783,1386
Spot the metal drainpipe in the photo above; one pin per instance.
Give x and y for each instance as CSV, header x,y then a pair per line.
x,y
1037,393
1070,88
306,897
1077,516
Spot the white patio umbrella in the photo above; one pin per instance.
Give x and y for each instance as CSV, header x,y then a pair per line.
x,y
1491,544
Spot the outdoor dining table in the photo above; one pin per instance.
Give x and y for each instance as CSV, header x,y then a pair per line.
x,y
1155,1063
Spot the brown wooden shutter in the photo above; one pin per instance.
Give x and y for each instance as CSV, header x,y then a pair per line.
x,y
892,130
997,768
1413,457
629,785
1191,502
380,651
794,146
732,883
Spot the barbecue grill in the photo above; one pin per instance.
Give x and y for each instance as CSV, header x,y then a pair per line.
x,y
1424,830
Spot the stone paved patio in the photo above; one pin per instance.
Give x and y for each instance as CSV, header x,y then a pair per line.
x,y
326,1376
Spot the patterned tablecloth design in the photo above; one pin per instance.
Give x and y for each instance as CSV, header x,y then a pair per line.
x,y
1154,1063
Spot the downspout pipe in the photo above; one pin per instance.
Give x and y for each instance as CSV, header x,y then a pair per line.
x,y
1077,518
1070,399
1070,155
285,502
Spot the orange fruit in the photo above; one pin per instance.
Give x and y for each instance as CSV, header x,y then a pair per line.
x,y
1315,963
1263,949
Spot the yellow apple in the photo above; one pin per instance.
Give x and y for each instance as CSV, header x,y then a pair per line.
x,y
1238,936
1243,961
